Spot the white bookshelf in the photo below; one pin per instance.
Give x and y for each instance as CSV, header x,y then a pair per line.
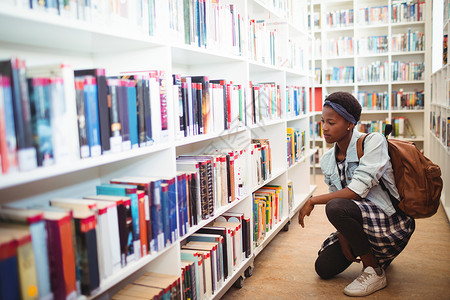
x,y
41,38
438,137
358,30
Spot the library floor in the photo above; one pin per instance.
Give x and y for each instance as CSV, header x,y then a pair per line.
x,y
285,268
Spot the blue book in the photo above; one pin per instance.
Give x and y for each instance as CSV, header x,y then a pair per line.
x,y
134,241
40,120
172,209
92,118
157,215
9,273
165,213
181,193
132,114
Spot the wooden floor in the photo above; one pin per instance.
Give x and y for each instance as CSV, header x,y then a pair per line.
x,y
285,268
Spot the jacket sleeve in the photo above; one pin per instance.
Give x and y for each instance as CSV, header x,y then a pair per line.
x,y
372,165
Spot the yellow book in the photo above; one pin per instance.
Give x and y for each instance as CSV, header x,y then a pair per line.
x,y
25,261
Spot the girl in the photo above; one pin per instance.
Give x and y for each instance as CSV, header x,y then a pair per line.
x,y
368,227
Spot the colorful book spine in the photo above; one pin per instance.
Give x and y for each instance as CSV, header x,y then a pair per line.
x,y
92,119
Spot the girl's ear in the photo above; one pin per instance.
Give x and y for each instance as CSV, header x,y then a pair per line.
x,y
350,126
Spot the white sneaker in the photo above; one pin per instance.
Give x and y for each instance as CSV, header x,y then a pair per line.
x,y
366,283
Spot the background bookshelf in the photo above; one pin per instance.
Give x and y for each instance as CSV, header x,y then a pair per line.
x,y
361,47
439,111
116,43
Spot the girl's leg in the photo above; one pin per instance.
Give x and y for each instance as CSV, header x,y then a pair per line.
x,y
346,217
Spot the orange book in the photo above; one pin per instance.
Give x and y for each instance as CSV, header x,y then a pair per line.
x,y
142,223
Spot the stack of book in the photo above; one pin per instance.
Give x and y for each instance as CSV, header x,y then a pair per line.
x,y
213,253
154,286
408,100
267,211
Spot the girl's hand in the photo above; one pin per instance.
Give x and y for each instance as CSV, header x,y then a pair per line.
x,y
305,211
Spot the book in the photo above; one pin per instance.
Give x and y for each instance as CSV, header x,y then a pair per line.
x,y
115,237
81,118
8,142
92,116
25,261
124,115
63,109
197,272
14,69
132,215
61,253
132,113
137,291
169,283
34,221
102,104
9,272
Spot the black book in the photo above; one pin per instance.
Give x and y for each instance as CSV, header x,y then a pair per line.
x,y
223,232
184,98
205,103
195,109
103,111
113,95
140,84
179,102
147,111
81,118
86,244
192,185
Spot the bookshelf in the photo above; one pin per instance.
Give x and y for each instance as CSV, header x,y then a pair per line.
x,y
439,110
118,45
361,45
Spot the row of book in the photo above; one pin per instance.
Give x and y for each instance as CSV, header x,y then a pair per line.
x,y
406,71
135,15
408,11
204,106
339,47
152,286
445,49
373,44
376,71
267,211
373,100
208,24
339,18
288,9
408,100
440,126
373,15
56,114
290,195
408,41
339,75
401,127
265,104
296,145
401,42
211,255
295,101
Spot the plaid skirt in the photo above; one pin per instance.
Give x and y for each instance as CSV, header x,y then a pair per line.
x,y
388,236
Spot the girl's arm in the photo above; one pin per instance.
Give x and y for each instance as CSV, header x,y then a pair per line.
x,y
307,208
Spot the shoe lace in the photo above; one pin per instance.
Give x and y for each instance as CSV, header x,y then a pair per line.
x,y
363,277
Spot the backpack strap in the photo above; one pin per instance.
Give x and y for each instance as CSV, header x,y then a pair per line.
x,y
360,152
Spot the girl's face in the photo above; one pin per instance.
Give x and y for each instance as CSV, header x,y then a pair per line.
x,y
335,127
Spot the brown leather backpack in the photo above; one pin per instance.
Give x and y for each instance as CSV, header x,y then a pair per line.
x,y
417,178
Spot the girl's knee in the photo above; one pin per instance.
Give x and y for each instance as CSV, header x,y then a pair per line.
x,y
322,269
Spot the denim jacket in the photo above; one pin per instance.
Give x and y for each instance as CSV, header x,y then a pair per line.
x,y
363,176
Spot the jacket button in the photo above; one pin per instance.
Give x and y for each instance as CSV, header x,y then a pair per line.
x,y
349,178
